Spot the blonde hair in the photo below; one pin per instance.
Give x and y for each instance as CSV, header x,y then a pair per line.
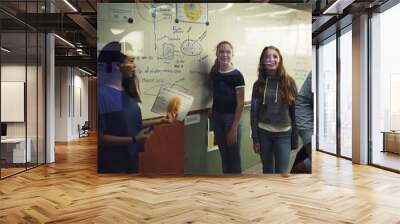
x,y
215,67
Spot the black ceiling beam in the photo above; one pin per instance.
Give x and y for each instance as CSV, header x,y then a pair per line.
x,y
8,24
91,5
49,22
331,30
82,61
88,50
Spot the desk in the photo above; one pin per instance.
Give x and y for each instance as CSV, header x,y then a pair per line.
x,y
164,151
391,141
13,150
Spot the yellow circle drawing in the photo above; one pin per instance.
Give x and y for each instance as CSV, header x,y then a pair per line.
x,y
192,11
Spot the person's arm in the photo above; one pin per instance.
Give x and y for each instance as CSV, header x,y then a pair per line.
x,y
232,134
292,110
157,121
211,77
305,111
112,140
255,103
152,122
162,120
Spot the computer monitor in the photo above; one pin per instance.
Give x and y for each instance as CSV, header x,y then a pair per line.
x,y
3,129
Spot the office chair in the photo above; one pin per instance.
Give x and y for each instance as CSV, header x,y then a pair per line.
x,y
84,130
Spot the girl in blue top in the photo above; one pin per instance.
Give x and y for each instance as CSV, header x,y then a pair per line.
x,y
121,131
227,108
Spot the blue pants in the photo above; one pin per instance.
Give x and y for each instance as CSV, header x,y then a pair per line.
x,y
275,150
230,154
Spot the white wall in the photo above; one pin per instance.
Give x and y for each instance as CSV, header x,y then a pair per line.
x,y
71,93
61,103
16,73
81,96
33,126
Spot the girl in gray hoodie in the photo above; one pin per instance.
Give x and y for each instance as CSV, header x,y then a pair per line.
x,y
272,112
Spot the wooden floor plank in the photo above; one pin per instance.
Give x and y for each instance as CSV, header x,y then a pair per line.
x,y
71,191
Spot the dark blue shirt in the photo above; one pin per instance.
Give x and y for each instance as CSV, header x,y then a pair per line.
x,y
119,115
224,93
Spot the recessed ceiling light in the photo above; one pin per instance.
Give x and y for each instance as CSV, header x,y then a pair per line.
x,y
70,5
5,50
64,40
338,6
86,72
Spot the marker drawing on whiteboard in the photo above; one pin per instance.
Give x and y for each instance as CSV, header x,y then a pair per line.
x,y
191,47
153,15
202,36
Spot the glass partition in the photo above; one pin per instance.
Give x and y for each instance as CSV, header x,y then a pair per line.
x,y
346,93
385,89
22,79
327,96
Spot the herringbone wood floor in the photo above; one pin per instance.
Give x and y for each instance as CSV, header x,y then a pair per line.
x,y
71,191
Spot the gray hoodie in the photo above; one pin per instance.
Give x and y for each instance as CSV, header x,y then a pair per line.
x,y
269,107
305,111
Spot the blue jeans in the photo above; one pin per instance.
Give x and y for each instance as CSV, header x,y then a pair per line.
x,y
230,154
275,150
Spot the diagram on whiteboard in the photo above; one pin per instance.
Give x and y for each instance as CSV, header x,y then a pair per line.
x,y
175,43
177,84
167,45
192,13
155,12
168,51
168,48
191,47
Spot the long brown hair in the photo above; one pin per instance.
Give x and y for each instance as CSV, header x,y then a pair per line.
x,y
284,79
112,53
130,85
215,67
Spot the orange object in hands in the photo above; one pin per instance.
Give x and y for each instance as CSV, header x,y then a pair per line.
x,y
174,106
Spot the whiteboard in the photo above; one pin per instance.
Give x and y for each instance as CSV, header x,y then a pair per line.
x,y
12,101
180,54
